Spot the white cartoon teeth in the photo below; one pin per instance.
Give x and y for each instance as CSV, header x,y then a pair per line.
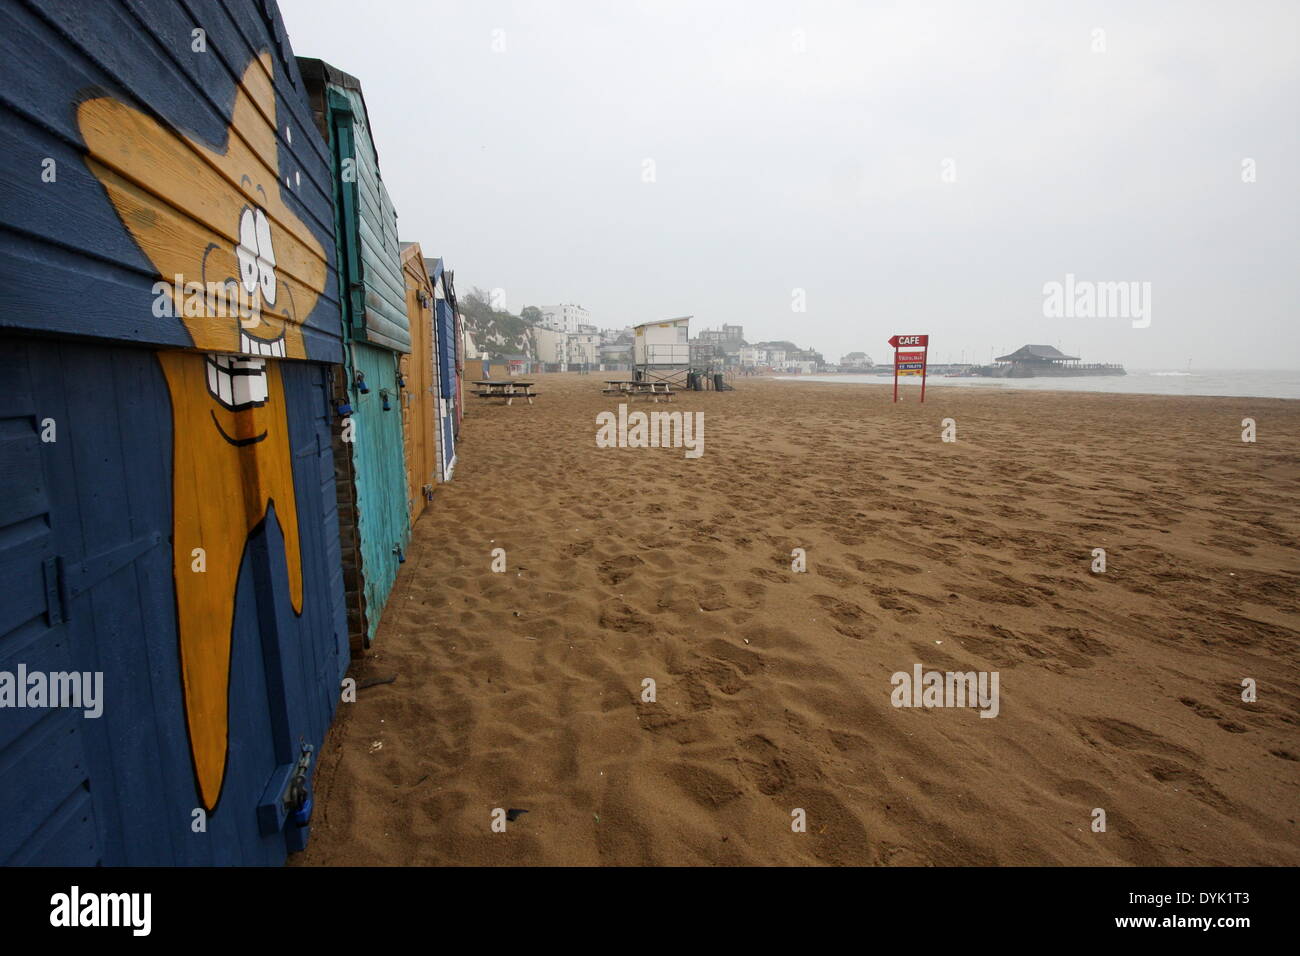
x,y
235,381
239,381
251,346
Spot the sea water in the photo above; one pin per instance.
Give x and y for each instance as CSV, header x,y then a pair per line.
x,y
1264,383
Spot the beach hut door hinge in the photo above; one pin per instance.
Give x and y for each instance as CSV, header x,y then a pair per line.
x,y
55,591
66,580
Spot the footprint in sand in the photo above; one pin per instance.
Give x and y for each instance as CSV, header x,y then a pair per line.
x,y
617,570
764,765
1209,713
847,618
703,785
1159,758
622,618
835,575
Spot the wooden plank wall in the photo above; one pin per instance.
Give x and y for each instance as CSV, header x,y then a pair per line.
x,y
383,520
420,395
444,438
445,323
449,287
120,789
385,322
65,236
376,526
165,157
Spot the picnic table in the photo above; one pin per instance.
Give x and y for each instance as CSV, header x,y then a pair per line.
x,y
655,390
509,390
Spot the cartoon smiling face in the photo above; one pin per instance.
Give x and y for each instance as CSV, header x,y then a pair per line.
x,y
240,382
255,255
215,215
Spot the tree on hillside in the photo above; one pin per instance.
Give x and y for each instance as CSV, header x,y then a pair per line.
x,y
531,314
496,331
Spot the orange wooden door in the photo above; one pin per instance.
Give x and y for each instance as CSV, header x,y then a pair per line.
x,y
418,420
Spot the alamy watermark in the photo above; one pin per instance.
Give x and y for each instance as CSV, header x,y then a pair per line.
x,y
228,299
128,910
653,430
78,690
1084,299
946,689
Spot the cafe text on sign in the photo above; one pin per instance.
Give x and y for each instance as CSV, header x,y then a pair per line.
x,y
909,361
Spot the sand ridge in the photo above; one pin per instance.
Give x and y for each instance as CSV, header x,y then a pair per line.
x,y
1118,690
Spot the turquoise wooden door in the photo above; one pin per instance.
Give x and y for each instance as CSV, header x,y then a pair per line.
x,y
378,328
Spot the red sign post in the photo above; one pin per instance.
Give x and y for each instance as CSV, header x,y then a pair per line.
x,y
910,362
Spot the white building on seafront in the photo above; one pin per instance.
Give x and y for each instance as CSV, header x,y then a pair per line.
x,y
551,347
564,318
584,346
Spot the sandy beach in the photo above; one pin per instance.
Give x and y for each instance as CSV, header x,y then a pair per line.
x,y
1118,690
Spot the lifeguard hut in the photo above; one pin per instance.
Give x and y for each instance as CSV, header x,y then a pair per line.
x,y
661,351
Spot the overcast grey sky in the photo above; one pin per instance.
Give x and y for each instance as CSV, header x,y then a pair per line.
x,y
806,146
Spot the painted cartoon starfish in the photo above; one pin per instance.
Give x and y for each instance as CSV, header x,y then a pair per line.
x,y
215,214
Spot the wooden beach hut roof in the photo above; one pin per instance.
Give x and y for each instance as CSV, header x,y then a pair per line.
x,y
1037,353
680,318
318,73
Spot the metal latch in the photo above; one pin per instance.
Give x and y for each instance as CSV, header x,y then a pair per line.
x,y
297,798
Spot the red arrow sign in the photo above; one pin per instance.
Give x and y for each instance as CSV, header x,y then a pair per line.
x,y
902,341
911,362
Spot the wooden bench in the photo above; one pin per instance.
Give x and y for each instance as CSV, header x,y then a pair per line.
x,y
507,390
655,390
510,396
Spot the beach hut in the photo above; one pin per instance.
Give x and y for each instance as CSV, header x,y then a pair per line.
x,y
445,372
172,632
374,518
458,342
421,421
661,351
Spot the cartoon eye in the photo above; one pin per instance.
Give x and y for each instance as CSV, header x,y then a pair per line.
x,y
265,257
246,251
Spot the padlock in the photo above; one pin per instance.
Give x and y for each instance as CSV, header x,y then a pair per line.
x,y
302,813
